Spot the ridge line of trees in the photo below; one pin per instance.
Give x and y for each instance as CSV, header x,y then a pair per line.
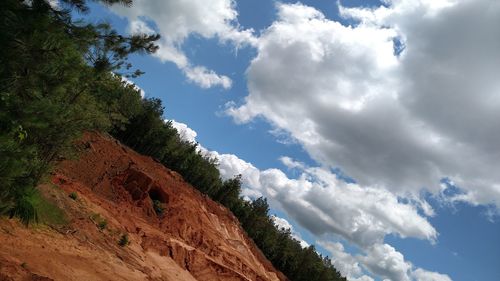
x,y
60,78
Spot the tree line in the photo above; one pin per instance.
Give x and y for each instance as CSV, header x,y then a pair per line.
x,y
60,78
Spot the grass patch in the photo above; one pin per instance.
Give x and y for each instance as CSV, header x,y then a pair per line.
x,y
24,205
31,206
47,212
101,222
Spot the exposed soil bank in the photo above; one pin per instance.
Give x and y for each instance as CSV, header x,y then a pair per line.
x,y
182,236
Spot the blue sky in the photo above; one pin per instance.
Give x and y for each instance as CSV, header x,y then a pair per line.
x,y
324,89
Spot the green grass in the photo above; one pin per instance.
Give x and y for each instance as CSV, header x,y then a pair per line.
x,y
24,206
31,206
47,212
101,222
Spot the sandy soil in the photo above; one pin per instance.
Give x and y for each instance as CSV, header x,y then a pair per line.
x,y
194,239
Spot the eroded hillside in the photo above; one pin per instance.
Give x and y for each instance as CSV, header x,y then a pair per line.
x,y
175,232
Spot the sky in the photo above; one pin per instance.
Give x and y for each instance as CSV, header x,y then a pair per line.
x,y
370,126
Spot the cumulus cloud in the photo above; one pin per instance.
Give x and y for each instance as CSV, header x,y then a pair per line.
x,y
129,82
385,261
326,205
207,78
347,264
423,275
399,101
322,203
282,223
184,131
380,259
176,20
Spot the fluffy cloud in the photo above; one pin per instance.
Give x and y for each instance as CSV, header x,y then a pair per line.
x,y
401,100
184,131
176,20
325,205
128,82
282,223
347,264
385,261
206,78
322,203
423,275
380,259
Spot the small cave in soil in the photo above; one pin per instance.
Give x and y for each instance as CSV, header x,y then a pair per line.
x,y
159,200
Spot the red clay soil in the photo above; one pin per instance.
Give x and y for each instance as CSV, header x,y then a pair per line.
x,y
194,238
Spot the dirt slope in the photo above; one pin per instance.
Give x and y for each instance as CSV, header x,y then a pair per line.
x,y
194,239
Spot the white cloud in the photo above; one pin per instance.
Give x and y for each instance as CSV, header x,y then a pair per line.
x,y
385,261
176,20
381,260
344,262
137,26
396,122
184,131
129,82
54,4
291,163
282,223
423,275
322,203
207,78
325,205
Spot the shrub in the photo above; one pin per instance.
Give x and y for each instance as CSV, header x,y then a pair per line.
x,y
101,222
73,195
123,240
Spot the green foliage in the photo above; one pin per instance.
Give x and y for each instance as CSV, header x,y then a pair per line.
x,y
101,222
24,205
47,212
73,195
149,134
124,240
30,206
278,245
229,194
158,207
53,88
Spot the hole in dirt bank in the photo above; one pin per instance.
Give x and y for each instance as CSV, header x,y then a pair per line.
x,y
159,199
137,184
